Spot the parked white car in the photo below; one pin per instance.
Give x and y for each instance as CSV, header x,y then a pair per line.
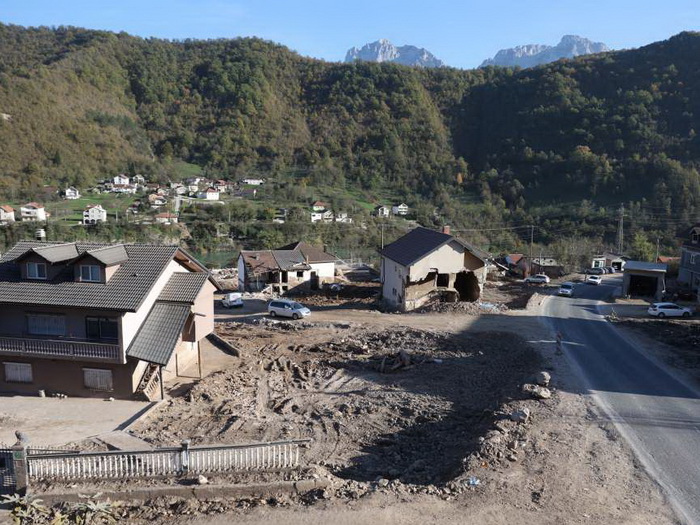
x,y
566,289
540,278
594,279
232,300
287,308
668,310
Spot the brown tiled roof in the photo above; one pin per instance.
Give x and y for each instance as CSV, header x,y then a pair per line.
x,y
109,255
125,290
8,209
54,253
312,254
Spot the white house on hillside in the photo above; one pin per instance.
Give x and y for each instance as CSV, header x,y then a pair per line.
x,y
94,213
32,211
7,214
253,182
210,194
71,193
120,180
399,209
381,211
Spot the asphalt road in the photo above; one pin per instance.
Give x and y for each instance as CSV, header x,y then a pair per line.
x,y
657,413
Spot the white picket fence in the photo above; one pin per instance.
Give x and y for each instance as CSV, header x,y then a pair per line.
x,y
165,462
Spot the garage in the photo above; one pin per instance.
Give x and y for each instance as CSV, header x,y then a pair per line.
x,y
643,279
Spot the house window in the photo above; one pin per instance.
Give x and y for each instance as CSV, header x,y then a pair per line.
x,y
36,270
300,274
694,237
90,273
97,379
692,258
18,372
102,328
46,324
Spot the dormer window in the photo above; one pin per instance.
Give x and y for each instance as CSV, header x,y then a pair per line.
x,y
36,270
694,237
90,273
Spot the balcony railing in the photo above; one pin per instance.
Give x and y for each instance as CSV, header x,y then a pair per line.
x,y
59,349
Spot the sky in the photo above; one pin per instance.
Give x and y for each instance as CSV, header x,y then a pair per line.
x,y
462,33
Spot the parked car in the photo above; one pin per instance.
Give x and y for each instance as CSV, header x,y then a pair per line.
x,y
334,287
566,289
287,308
668,310
540,278
594,271
594,279
610,269
232,300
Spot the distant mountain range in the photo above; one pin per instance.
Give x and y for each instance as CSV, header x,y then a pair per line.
x,y
535,54
384,51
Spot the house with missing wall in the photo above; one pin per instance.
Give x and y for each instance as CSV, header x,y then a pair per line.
x,y
426,264
89,319
295,267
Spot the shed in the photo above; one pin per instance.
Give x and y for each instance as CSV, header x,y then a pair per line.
x,y
644,279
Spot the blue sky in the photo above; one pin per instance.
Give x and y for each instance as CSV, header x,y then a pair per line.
x,y
460,32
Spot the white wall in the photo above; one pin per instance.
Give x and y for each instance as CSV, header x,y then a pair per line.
x,y
323,270
393,279
241,274
448,259
132,321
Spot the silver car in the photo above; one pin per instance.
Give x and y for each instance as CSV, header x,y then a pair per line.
x,y
287,308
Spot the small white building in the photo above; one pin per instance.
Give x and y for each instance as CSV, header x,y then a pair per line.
x,y
121,180
343,217
32,211
319,206
399,209
210,194
381,211
166,218
253,182
7,214
71,193
94,213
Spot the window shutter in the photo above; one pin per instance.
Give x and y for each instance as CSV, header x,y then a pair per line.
x,y
18,372
97,379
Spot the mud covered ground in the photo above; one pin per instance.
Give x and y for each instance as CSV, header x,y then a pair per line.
x,y
370,413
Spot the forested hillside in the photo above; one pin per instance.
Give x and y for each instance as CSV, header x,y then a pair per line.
x,y
485,147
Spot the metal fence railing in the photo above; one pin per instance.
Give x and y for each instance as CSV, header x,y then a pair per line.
x,y
165,461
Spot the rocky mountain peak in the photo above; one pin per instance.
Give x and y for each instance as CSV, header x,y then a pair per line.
x,y
530,55
384,51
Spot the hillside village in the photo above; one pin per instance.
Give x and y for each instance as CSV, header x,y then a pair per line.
x,y
273,289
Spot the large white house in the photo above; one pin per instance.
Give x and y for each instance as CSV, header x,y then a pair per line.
x,y
425,264
94,213
120,180
32,211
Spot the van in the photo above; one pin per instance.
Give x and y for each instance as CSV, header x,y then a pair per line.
x,y
287,308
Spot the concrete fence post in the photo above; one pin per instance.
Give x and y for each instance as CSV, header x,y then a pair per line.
x,y
19,463
185,456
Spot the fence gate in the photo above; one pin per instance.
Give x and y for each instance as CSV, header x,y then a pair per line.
x,y
7,472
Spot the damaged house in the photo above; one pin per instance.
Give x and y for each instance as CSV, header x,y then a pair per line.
x,y
294,267
424,264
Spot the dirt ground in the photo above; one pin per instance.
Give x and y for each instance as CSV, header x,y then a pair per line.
x,y
406,446
680,339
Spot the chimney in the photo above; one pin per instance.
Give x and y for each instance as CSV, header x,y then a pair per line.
x,y
446,230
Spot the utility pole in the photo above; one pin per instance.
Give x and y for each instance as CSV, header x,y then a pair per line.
x,y
382,225
657,250
620,230
532,237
